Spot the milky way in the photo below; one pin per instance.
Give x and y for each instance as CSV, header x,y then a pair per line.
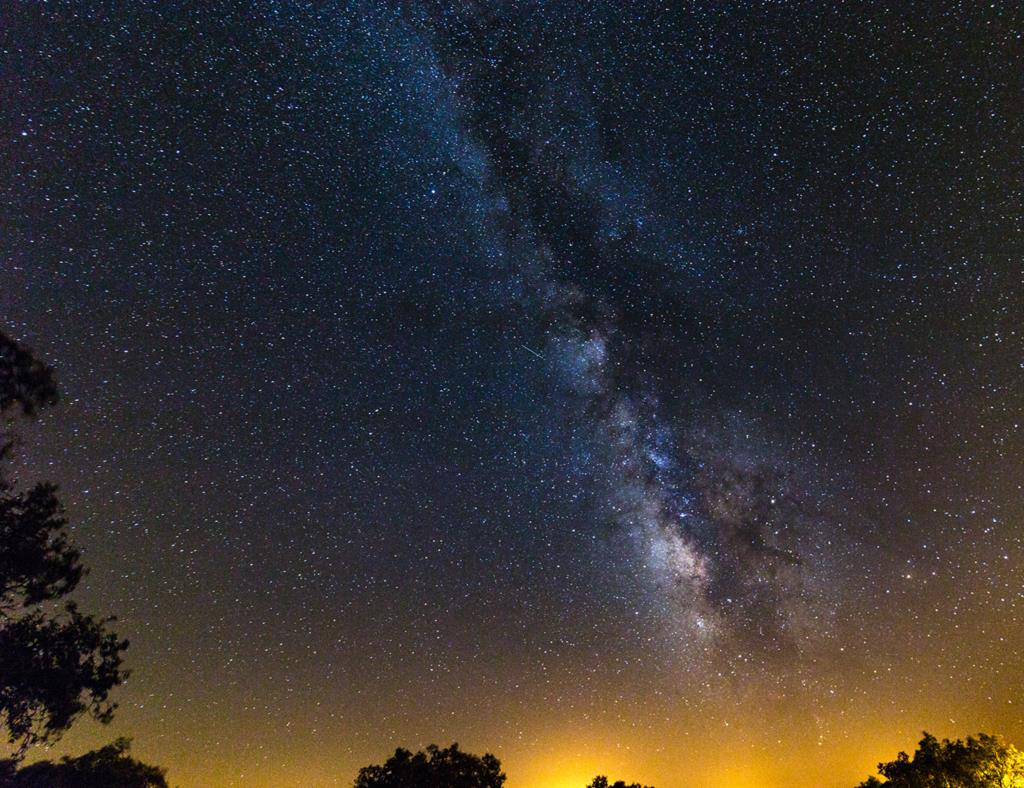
x,y
716,526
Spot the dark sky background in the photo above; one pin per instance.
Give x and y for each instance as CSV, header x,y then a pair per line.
x,y
620,387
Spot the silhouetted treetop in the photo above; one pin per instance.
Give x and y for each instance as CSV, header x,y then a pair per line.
x,y
56,663
25,381
982,762
37,562
107,767
602,782
434,768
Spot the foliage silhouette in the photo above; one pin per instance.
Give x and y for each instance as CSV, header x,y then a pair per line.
x,y
982,762
56,663
602,782
435,768
24,380
107,767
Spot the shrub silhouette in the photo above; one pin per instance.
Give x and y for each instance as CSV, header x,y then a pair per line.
x,y
982,762
602,782
107,767
434,768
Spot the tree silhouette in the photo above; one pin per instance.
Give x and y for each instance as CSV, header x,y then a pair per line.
x,y
602,782
435,768
56,663
982,762
107,767
25,381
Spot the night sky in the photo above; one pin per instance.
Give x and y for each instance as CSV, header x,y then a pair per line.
x,y
620,387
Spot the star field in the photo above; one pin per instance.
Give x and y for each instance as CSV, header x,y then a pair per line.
x,y
614,386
